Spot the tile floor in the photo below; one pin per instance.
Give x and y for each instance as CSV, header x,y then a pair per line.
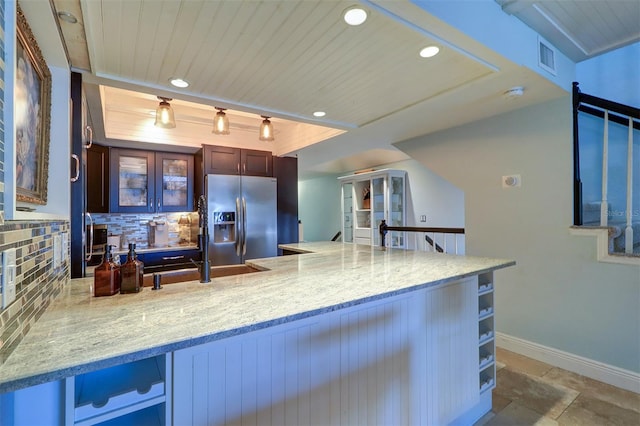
x,y
530,392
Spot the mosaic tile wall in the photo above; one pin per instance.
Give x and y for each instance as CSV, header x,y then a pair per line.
x,y
135,229
38,282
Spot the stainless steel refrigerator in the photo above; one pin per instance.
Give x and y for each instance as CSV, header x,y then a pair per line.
x,y
242,218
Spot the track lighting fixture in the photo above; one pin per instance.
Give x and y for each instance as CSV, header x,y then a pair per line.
x,y
266,129
220,122
164,114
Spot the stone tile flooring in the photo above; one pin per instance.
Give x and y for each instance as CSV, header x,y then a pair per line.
x,y
530,392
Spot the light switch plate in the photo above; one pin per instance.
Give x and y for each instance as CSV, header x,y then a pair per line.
x,y
8,277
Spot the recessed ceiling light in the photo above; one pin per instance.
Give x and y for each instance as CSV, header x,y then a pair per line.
x,y
67,17
319,114
429,51
355,16
178,82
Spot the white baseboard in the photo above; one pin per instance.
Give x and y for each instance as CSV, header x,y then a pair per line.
x,y
606,373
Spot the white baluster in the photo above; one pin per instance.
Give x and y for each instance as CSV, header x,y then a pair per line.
x,y
604,208
628,234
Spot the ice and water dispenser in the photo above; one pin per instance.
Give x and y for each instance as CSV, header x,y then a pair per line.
x,y
224,227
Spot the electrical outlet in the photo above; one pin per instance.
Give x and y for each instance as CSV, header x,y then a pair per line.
x,y
8,277
423,218
57,243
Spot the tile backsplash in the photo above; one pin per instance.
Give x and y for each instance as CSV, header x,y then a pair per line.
x,y
37,281
183,227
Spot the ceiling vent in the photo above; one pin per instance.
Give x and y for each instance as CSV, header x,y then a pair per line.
x,y
546,56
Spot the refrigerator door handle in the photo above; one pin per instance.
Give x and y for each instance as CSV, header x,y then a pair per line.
x,y
238,228
244,226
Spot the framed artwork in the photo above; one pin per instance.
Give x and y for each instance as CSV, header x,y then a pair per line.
x,y
32,116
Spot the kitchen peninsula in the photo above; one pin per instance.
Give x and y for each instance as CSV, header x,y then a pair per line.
x,y
344,334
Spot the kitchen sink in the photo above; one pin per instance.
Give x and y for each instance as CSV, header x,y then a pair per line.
x,y
192,274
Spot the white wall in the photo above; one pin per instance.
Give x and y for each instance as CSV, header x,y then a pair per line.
x,y
319,207
430,195
557,295
613,75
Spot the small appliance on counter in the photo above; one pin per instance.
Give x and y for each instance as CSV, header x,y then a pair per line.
x,y
158,233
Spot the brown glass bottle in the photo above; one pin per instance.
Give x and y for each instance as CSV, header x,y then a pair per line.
x,y
131,272
106,276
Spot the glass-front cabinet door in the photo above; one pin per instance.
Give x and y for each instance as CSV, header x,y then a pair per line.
x,y
347,212
150,182
132,181
396,209
174,182
378,208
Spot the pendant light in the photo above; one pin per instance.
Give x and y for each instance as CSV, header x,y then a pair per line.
x,y
220,123
164,114
266,129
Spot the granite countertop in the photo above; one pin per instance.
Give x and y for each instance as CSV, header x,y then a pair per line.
x,y
79,333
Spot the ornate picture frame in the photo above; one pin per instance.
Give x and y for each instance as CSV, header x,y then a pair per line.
x,y
32,116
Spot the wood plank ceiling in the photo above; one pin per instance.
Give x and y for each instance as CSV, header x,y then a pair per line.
x,y
287,59
294,57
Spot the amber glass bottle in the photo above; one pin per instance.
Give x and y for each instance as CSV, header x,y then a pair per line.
x,y
140,267
106,276
131,272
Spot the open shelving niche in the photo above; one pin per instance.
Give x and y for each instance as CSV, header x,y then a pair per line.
x,y
486,333
132,393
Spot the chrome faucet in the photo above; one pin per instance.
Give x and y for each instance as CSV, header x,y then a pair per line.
x,y
203,239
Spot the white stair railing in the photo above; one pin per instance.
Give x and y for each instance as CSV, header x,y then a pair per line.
x,y
440,240
628,233
604,205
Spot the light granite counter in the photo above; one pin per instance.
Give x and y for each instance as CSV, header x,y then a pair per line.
x,y
80,333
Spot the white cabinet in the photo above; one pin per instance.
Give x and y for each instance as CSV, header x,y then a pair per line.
x,y
132,393
486,333
367,199
407,359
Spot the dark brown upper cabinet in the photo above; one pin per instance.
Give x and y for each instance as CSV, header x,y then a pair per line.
x,y
98,179
222,160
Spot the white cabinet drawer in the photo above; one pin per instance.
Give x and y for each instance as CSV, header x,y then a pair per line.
x,y
366,241
363,233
